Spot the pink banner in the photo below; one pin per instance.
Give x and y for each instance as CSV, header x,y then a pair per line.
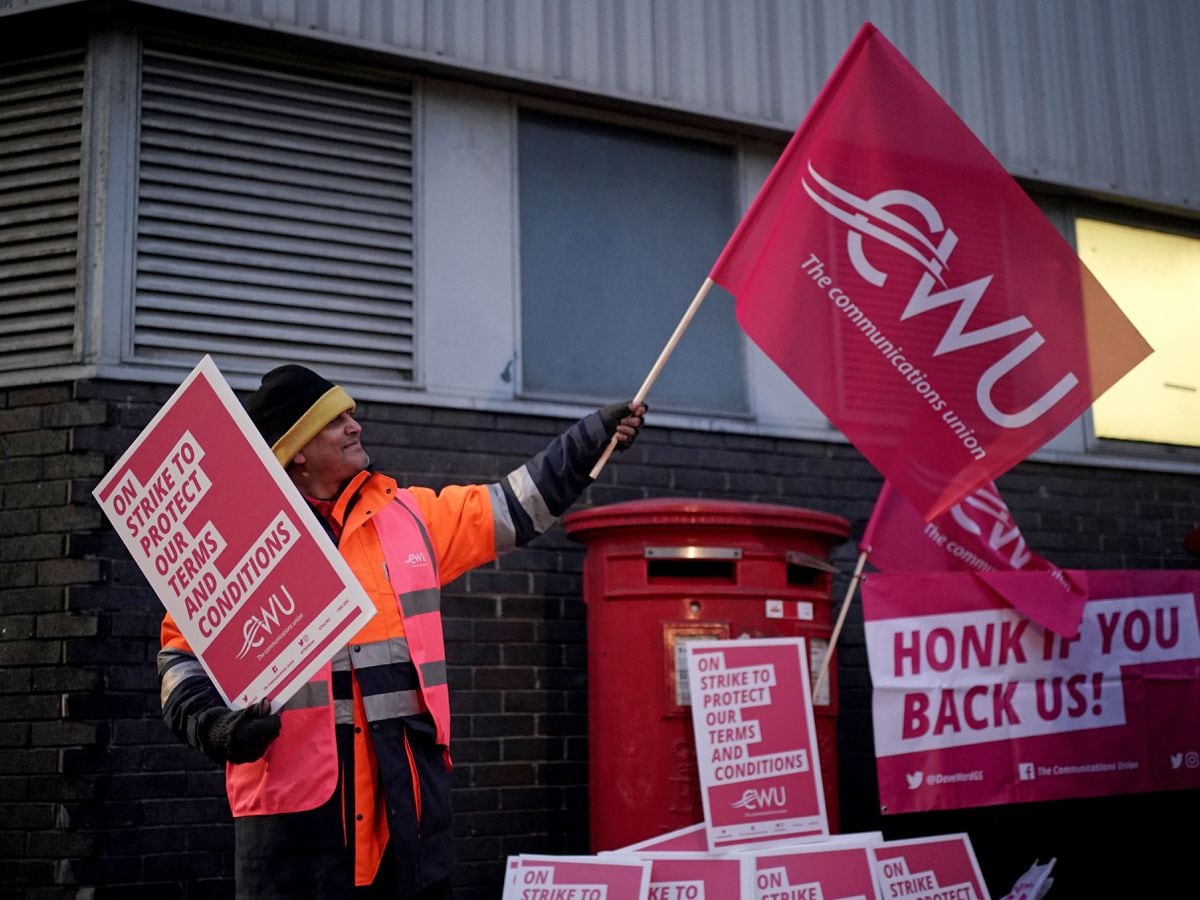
x,y
230,547
905,282
975,704
933,868
756,748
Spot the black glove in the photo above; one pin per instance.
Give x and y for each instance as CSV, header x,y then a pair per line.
x,y
612,416
239,736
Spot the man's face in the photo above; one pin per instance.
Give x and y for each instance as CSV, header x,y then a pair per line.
x,y
335,455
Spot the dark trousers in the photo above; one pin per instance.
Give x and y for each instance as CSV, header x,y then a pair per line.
x,y
307,856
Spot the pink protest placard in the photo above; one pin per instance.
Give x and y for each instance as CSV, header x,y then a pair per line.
x,y
941,867
840,870
608,877
756,746
693,839
699,876
230,547
975,704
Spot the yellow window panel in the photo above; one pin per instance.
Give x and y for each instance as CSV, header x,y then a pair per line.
x,y
1155,278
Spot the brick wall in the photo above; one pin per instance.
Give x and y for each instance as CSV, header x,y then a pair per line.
x,y
97,798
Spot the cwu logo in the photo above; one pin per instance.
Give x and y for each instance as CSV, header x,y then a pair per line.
x,y
1004,529
874,219
762,798
259,627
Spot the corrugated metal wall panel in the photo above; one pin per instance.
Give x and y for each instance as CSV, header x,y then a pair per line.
x,y
274,219
41,129
1094,94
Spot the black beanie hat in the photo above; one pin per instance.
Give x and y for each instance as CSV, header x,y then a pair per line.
x,y
292,405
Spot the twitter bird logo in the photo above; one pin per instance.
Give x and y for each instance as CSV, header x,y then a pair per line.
x,y
914,780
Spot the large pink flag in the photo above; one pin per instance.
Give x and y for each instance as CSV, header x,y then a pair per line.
x,y
905,282
977,534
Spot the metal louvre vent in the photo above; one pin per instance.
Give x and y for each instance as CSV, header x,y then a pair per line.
x,y
41,116
274,220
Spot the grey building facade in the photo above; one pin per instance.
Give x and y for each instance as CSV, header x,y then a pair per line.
x,y
484,218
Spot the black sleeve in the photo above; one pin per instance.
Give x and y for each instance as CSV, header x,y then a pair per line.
x,y
531,499
187,693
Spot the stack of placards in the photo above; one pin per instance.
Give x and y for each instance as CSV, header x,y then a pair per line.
x,y
765,834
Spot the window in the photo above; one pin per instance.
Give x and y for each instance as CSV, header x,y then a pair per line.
x,y
618,229
1154,277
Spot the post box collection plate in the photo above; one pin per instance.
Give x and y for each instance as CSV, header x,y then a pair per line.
x,y
675,638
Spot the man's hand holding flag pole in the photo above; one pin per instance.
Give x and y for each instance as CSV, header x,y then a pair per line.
x,y
656,369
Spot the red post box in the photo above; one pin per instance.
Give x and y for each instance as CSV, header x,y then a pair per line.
x,y
659,573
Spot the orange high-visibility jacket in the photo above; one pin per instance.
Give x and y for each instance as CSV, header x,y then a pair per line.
x,y
402,545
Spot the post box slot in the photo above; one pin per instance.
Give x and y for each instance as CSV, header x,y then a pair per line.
x,y
806,570
803,576
691,569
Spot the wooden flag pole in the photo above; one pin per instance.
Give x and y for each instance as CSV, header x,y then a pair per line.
x,y
841,620
658,367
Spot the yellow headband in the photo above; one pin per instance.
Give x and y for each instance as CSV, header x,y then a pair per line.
x,y
328,407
